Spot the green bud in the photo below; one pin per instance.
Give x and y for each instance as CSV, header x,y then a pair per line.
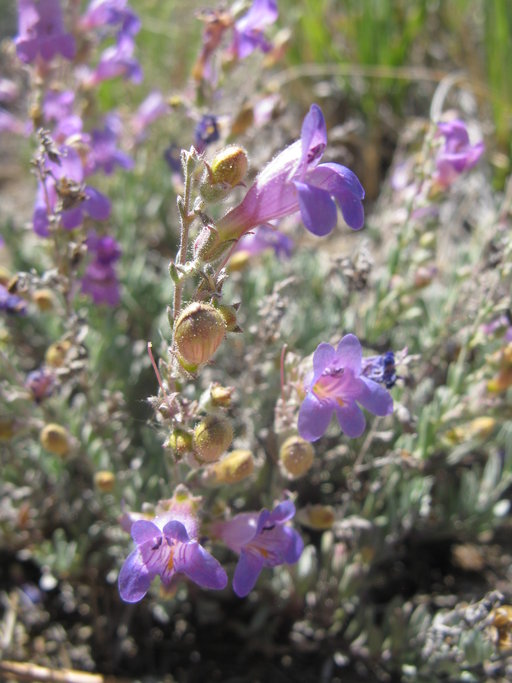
x,y
234,467
296,457
198,333
181,442
229,166
212,437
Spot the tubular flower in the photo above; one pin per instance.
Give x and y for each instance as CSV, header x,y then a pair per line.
x,y
41,32
457,155
295,181
337,384
262,540
165,548
248,30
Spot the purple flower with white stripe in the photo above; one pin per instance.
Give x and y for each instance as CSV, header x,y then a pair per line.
x,y
457,155
248,30
166,548
336,385
41,32
294,181
262,540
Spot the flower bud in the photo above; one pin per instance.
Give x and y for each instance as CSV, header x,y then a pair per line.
x,y
221,396
212,436
318,517
198,333
234,467
55,439
56,353
296,457
43,298
104,481
229,166
229,315
7,428
181,442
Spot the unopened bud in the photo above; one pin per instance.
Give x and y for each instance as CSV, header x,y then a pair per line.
x,y
55,439
181,442
229,166
296,457
234,467
43,298
221,396
212,437
229,315
198,333
7,428
104,481
319,517
56,354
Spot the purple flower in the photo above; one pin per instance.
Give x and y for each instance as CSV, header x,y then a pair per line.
x,y
206,132
150,110
104,154
172,156
58,104
111,12
165,548
40,383
100,279
380,369
457,154
70,171
501,325
337,384
8,90
262,540
294,181
116,60
265,238
41,31
11,303
10,124
248,30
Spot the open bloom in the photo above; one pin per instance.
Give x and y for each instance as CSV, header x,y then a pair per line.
x,y
165,548
262,540
41,31
100,278
337,384
294,181
248,30
457,155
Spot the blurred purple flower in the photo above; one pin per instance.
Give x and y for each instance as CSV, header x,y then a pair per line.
x,y
70,170
100,279
265,238
40,383
380,369
206,132
248,30
103,154
502,325
294,181
58,104
152,108
11,303
116,60
337,384
457,155
111,12
165,548
8,90
41,31
10,124
172,156
262,540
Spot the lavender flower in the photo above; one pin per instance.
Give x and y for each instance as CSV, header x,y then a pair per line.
x,y
165,547
11,303
40,383
294,181
111,12
100,278
116,60
150,110
68,173
41,31
10,124
262,239
104,154
337,384
380,369
248,30
262,540
206,132
457,154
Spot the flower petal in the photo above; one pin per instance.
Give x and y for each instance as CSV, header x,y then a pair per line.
x,y
344,185
282,512
294,548
202,568
247,571
313,137
351,419
375,398
349,353
322,358
314,417
134,578
143,530
96,205
317,209
176,530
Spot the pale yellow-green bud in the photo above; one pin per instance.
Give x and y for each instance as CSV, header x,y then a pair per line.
x,y
44,300
55,439
229,166
296,457
198,333
56,353
229,315
319,517
104,481
212,437
221,396
181,442
234,467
